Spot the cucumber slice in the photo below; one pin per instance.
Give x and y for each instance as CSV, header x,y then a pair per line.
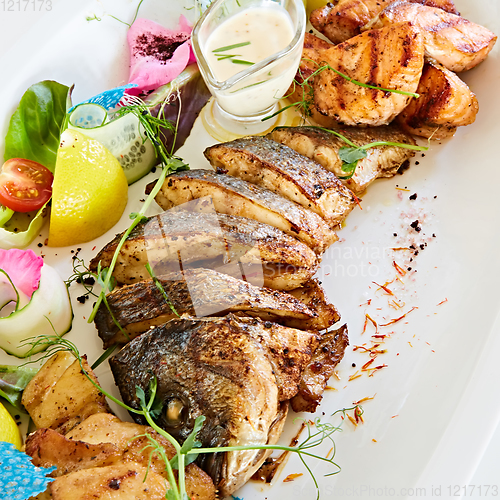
x,y
49,302
124,137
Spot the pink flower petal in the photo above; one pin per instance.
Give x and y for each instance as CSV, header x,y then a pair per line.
x,y
23,267
157,55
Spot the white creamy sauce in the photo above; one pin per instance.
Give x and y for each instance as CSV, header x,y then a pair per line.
x,y
269,29
264,30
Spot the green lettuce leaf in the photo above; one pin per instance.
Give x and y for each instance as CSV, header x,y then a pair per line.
x,y
35,127
13,380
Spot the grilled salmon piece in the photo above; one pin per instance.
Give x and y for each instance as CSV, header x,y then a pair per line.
x,y
323,147
391,58
456,43
236,197
343,19
445,103
277,167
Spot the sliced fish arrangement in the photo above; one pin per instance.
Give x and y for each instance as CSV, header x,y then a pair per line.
x,y
231,322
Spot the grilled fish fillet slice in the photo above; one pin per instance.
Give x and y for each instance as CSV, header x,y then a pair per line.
x,y
276,167
313,296
236,197
343,19
326,357
196,292
225,369
323,147
456,43
201,240
445,103
391,58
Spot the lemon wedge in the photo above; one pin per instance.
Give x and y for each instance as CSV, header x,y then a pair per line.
x,y
89,192
9,432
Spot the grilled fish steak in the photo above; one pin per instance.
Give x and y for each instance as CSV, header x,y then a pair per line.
x,y
194,238
323,147
276,167
235,371
236,197
453,41
391,57
196,292
343,19
445,103
313,296
327,356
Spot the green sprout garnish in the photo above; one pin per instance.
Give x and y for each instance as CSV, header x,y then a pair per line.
x,y
150,409
351,154
161,289
153,126
306,103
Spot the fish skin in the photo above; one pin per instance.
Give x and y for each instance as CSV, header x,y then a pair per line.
x,y
233,359
391,57
455,42
323,146
236,197
276,167
445,102
202,238
313,296
139,306
326,357
343,19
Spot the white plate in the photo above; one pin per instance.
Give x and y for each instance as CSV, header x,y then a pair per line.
x,y
436,406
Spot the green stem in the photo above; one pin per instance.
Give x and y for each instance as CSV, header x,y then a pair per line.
x,y
179,492
126,234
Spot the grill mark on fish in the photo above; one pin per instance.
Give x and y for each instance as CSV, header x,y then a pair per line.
x,y
445,103
344,19
455,42
374,57
276,167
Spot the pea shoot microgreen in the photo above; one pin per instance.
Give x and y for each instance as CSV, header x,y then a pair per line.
x,y
161,289
150,408
95,18
305,105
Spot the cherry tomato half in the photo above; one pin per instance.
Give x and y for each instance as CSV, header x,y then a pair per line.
x,y
25,185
